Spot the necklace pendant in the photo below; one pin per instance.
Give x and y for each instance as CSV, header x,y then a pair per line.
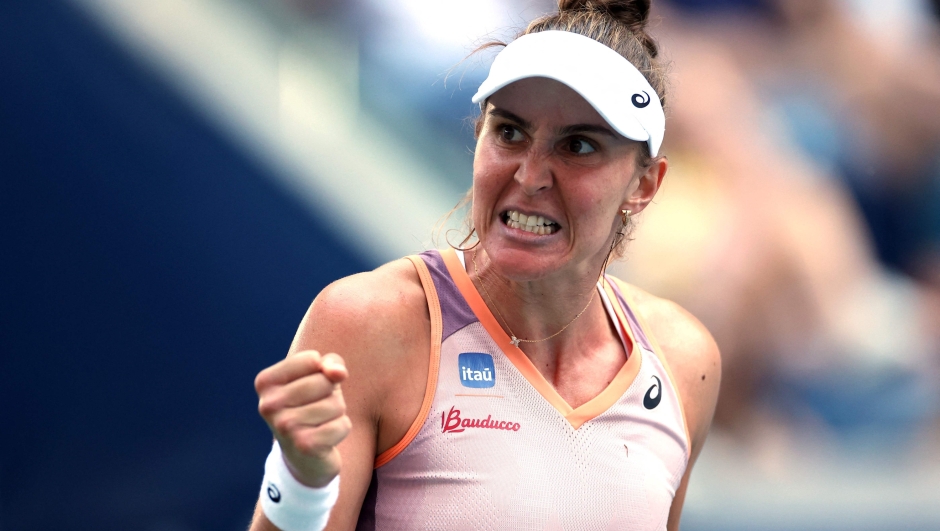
x,y
515,341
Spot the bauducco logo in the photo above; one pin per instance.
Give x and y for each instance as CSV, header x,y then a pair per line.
x,y
451,422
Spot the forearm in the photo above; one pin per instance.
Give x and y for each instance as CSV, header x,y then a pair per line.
x,y
260,522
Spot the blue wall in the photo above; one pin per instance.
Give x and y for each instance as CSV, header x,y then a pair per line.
x,y
148,270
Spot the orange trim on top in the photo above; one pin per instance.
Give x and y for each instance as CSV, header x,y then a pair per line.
x,y
576,417
658,350
437,330
515,355
621,317
621,381
609,396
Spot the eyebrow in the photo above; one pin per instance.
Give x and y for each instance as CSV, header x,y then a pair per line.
x,y
511,117
586,128
564,131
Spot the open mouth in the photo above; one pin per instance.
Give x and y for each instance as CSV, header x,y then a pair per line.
x,y
534,224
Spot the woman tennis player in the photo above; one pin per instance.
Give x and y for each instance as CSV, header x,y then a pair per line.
x,y
512,384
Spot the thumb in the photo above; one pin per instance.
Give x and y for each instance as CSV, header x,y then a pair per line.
x,y
333,367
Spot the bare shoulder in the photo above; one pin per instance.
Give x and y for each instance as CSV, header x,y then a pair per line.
x,y
379,323
373,305
691,353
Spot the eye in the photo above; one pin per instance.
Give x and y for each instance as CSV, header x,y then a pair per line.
x,y
580,146
509,133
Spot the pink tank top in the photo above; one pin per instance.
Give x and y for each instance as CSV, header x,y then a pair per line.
x,y
495,447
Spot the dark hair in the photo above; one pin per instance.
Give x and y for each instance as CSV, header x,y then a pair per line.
x,y
621,26
618,24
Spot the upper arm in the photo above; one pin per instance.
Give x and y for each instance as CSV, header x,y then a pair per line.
x,y
695,364
378,322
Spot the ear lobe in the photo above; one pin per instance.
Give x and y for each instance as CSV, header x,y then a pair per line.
x,y
648,184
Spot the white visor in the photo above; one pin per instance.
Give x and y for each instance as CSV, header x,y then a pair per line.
x,y
610,83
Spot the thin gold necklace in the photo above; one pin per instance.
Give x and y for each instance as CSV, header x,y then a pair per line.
x,y
515,340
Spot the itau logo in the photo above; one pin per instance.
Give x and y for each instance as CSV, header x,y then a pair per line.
x,y
476,369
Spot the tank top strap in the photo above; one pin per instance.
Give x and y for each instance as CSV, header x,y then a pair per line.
x,y
434,309
455,312
615,290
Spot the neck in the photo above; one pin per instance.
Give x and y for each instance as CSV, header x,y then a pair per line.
x,y
548,314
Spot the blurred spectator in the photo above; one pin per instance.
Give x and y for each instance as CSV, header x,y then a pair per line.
x,y
773,255
857,84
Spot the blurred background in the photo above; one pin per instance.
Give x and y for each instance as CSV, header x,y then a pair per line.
x,y
179,179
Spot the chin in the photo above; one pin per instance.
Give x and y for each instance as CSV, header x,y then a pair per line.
x,y
524,264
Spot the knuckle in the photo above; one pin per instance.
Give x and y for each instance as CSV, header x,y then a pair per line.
x,y
339,405
301,443
283,424
261,382
341,408
264,407
338,430
268,404
310,357
309,443
319,387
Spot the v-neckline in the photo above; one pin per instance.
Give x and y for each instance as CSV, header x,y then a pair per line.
x,y
593,407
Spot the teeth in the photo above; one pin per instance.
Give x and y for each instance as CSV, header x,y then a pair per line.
x,y
534,224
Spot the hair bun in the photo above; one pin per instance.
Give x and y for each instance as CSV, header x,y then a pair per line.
x,y
632,13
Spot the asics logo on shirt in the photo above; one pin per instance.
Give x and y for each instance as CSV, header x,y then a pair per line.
x,y
476,369
650,401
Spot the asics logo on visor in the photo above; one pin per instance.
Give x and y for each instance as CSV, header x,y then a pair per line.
x,y
619,92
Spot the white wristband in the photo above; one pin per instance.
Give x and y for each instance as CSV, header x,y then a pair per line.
x,y
288,503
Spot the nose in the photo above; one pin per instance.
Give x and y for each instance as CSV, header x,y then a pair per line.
x,y
534,173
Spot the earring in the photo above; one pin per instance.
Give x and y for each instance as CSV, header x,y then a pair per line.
x,y
624,214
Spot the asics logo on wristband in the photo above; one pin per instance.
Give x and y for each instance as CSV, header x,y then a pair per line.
x,y
273,493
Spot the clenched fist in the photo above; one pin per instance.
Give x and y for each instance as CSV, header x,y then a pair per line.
x,y
300,399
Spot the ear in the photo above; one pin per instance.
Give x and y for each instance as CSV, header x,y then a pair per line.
x,y
645,185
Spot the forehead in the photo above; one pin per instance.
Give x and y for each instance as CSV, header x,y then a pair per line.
x,y
542,100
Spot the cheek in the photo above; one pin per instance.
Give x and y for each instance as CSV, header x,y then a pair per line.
x,y
484,198
593,214
490,177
